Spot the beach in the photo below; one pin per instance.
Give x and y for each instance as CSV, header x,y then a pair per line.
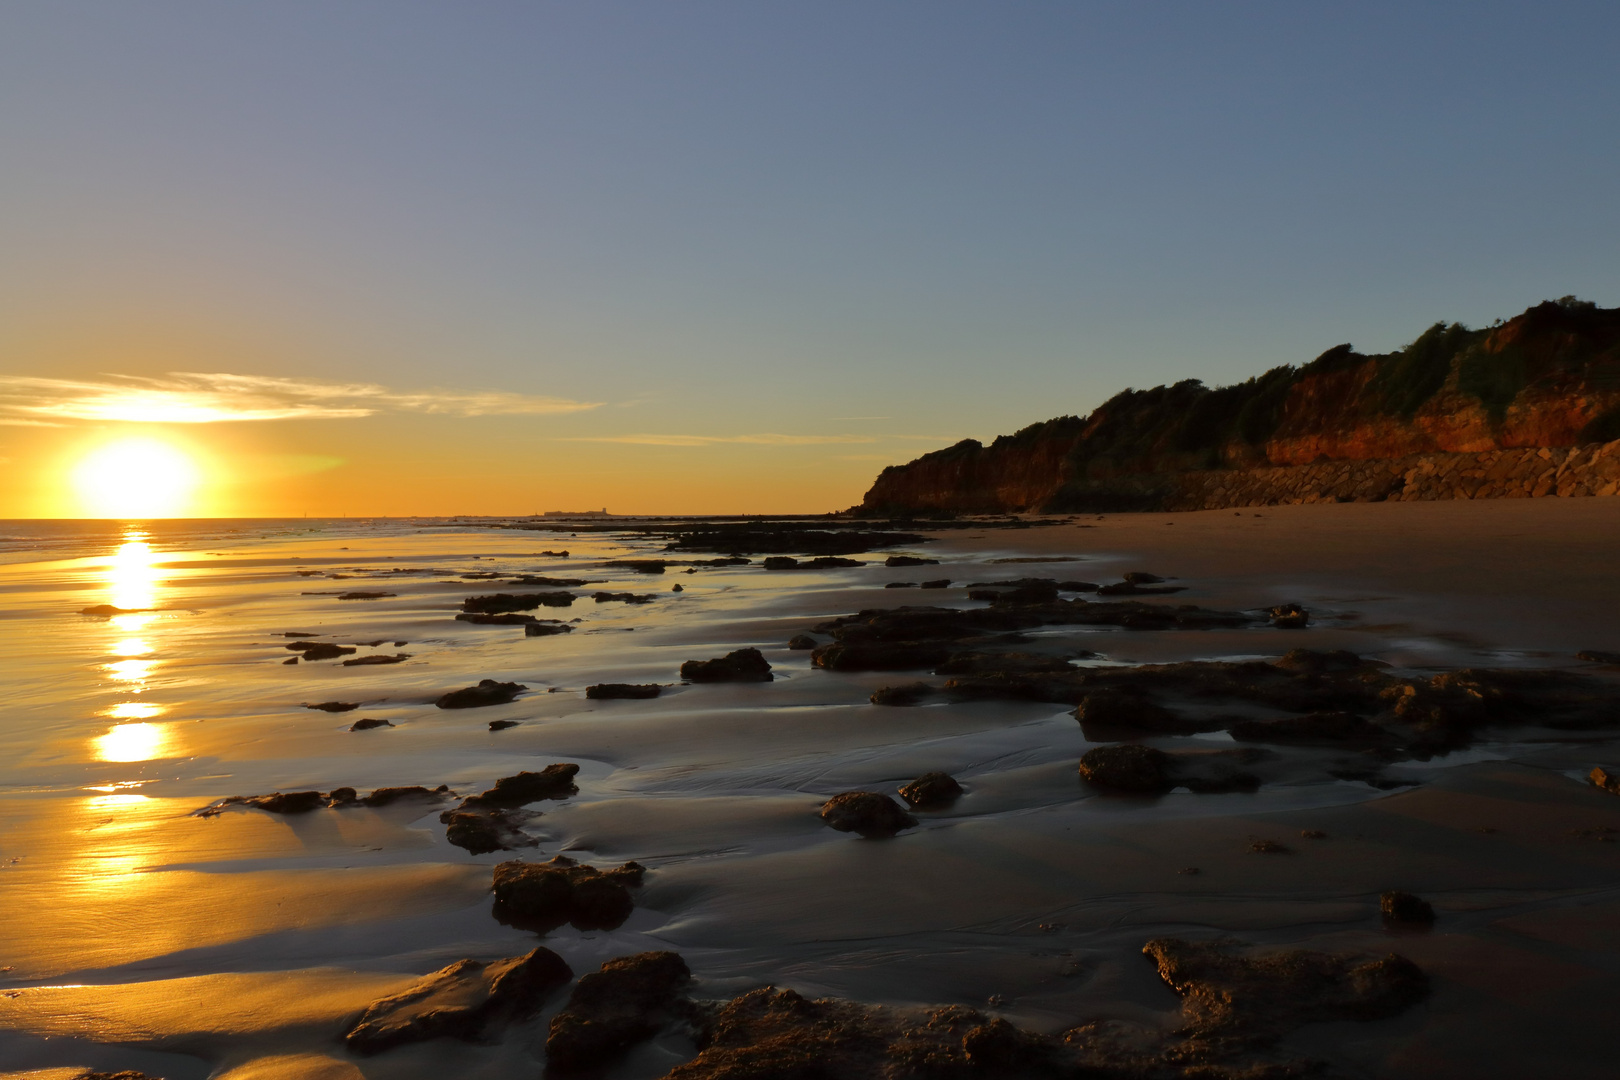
x,y
243,944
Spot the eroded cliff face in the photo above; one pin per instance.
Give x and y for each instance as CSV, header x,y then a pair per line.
x,y
1549,378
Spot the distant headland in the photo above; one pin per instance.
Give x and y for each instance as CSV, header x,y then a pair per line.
x,y
1524,408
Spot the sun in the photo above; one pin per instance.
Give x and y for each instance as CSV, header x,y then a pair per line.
x,y
136,478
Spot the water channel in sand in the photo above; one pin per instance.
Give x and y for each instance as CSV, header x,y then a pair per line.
x,y
137,935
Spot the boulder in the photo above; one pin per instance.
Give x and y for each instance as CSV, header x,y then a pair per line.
x,y
1289,616
1604,778
640,566
869,813
487,692
502,725
801,641
1106,710
369,723
743,665
1402,908
931,791
901,585
618,690
542,896
908,694
610,1010
935,583
463,1001
1128,767
385,796
365,595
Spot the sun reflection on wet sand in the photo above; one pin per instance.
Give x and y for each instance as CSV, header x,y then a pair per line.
x,y
134,742
132,576
133,710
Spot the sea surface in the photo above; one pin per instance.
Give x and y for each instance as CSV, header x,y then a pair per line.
x,y
214,943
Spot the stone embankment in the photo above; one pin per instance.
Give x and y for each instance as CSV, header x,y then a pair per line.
x,y
1528,473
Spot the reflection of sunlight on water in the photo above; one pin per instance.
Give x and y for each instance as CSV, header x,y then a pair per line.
x,y
132,583
132,575
130,670
130,624
133,742
133,710
131,646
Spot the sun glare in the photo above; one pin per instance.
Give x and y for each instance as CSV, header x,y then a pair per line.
x,y
136,478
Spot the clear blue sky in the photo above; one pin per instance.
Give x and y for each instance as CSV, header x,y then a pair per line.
x,y
728,219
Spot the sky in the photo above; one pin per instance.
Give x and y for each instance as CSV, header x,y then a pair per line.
x,y
504,257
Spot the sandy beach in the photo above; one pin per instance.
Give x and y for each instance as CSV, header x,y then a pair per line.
x,y
139,935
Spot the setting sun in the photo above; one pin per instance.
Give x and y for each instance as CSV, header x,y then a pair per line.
x,y
136,478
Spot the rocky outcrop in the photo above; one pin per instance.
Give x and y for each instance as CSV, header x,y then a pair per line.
x,y
1525,408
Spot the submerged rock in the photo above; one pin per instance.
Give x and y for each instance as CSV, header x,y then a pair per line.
x,y
1107,710
1127,767
870,813
543,896
624,1003
376,659
1403,908
801,641
389,795
936,583
743,665
499,603
369,723
502,725
640,566
555,781
487,692
631,691
931,791
909,694
901,585
483,831
365,595
107,611
463,1001
909,560
824,562
335,706
624,597
320,650
1289,617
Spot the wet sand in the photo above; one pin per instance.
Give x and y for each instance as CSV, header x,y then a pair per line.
x,y
140,936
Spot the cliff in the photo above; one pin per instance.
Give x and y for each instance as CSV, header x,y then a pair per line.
x,y
1546,379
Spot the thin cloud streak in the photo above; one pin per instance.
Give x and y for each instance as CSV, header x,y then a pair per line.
x,y
764,439
186,397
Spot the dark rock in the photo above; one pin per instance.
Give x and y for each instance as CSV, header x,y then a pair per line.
x,y
730,560
487,692
498,603
502,725
291,802
369,723
504,618
364,595
901,585
335,706
677,587
909,560
463,1001
1605,779
744,665
880,655
1007,663
555,554
1289,617
616,690
824,562
319,650
1594,656
1313,729
1142,577
290,660
640,566
107,611
869,813
1128,767
624,1003
483,831
341,797
545,895
937,583
782,538
1404,908
388,795
931,791
545,629
1131,588
624,597
909,694
376,659
1107,710
801,641
555,781
1269,847
548,582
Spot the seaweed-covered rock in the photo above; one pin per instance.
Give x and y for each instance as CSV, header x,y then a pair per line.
x,y
625,691
543,896
931,791
870,813
462,1001
610,1010
1403,908
908,694
386,796
487,692
1127,767
743,665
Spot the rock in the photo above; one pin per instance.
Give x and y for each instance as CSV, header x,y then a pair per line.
x,y
624,1003
1008,663
1105,710
744,665
801,641
364,595
388,795
483,831
555,554
498,603
290,660
1128,767
545,895
335,706
555,781
779,538
909,694
487,692
1404,908
1313,729
909,560
824,562
624,597
537,628
631,691
1594,656
1603,778
880,655
931,791
369,723
291,802
901,585
547,582
869,813
1269,847
376,659
107,611
320,650
502,725
504,618
1142,577
1131,588
463,1001
677,587
936,583
1289,617
640,566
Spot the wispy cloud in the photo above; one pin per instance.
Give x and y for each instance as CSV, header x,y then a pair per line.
x,y
766,439
186,397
